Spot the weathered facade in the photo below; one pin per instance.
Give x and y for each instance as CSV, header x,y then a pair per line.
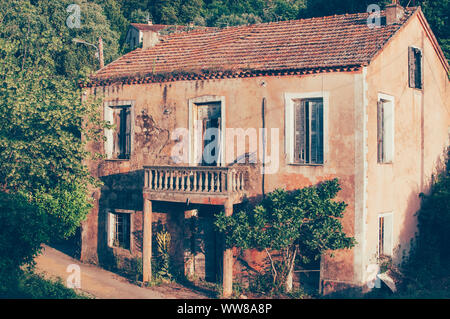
x,y
331,97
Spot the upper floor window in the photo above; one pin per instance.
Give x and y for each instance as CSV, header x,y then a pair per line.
x,y
308,131
385,129
306,127
415,67
118,139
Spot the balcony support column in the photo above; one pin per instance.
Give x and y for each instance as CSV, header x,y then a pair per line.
x,y
228,259
147,242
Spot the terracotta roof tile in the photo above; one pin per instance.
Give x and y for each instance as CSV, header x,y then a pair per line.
x,y
306,44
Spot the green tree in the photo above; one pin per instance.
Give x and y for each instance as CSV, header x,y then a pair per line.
x,y
42,120
140,16
234,20
76,61
438,15
24,228
304,223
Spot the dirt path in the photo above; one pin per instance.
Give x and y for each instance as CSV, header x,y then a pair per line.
x,y
103,284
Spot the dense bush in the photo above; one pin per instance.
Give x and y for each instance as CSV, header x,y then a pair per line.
x,y
289,225
23,230
33,286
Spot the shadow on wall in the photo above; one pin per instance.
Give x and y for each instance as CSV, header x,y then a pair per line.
x,y
119,191
408,229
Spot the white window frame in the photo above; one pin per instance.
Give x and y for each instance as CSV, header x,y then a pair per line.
x,y
290,124
110,227
108,112
193,142
390,250
388,139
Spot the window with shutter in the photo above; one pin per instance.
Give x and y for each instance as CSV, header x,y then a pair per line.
x,y
380,131
385,129
308,131
119,139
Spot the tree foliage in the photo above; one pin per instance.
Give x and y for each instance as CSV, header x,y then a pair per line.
x,y
24,228
304,223
43,123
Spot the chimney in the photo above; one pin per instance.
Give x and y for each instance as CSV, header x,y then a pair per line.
x,y
149,22
394,12
149,39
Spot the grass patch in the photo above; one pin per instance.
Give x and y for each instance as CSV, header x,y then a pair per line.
x,y
29,285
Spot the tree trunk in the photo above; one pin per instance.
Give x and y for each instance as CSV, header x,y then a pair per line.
x,y
288,284
289,277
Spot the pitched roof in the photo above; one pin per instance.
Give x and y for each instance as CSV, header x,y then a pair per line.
x,y
306,44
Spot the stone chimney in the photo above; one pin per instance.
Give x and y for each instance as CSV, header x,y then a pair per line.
x,y
149,39
394,13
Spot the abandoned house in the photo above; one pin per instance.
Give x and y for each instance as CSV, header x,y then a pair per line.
x,y
310,100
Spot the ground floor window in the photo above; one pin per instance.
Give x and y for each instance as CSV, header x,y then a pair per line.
x,y
119,229
385,234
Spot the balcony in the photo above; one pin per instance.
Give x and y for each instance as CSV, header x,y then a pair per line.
x,y
195,184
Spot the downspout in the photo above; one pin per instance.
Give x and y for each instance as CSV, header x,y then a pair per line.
x,y
263,111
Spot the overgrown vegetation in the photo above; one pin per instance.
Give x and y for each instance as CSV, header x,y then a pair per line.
x,y
34,286
428,266
287,225
44,184
163,264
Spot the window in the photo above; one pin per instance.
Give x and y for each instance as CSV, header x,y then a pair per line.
x,y
385,129
119,229
308,131
207,112
118,140
385,234
415,67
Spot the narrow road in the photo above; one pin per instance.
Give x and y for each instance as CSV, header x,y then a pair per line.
x,y
103,284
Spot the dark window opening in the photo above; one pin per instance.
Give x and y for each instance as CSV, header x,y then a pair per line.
x,y
122,134
415,67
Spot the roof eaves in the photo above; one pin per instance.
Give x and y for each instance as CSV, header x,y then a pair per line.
x,y
214,74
